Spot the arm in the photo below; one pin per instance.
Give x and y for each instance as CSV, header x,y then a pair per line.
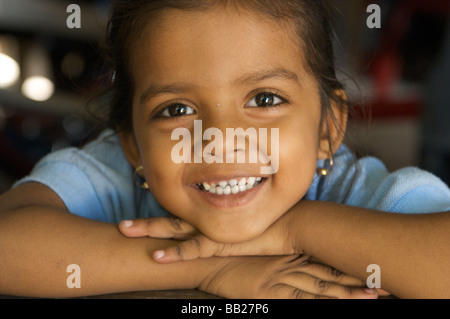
x,y
38,242
39,239
413,251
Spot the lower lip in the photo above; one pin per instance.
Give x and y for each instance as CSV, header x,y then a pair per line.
x,y
232,200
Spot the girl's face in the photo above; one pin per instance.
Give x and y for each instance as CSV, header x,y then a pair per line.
x,y
229,70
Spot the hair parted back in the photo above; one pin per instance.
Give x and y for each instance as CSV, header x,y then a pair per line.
x,y
310,19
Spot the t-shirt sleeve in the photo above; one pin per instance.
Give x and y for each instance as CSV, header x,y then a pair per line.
x,y
93,182
69,182
366,183
411,190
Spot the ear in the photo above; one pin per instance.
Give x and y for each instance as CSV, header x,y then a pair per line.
x,y
130,148
333,127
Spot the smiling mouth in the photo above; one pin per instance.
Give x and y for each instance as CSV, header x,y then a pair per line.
x,y
233,186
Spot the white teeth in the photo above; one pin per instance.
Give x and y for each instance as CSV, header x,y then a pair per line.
x,y
233,182
233,186
223,184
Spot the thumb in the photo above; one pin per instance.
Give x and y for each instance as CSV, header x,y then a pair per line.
x,y
157,227
196,247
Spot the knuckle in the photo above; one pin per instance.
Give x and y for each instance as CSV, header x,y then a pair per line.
x,y
224,250
321,285
296,261
180,251
189,249
175,222
349,290
147,221
196,243
299,260
299,294
335,273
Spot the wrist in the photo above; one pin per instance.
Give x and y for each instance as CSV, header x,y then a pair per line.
x,y
209,270
298,226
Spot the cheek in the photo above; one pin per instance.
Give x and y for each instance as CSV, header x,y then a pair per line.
x,y
162,173
297,163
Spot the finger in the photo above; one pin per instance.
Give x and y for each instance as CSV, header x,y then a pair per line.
x,y
320,287
132,228
157,227
328,273
383,293
197,247
284,291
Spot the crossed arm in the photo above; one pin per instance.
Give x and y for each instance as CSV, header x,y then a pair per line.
x,y
39,239
413,251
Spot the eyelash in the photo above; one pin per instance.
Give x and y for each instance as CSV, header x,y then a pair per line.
x,y
165,109
274,95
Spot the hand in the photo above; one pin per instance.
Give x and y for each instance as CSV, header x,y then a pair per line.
x,y
284,277
273,242
249,277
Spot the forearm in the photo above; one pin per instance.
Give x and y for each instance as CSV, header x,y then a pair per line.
x,y
413,251
38,244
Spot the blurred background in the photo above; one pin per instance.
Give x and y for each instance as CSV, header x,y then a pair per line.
x,y
396,76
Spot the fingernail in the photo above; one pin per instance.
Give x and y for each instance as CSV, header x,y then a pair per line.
x,y
370,291
158,254
127,223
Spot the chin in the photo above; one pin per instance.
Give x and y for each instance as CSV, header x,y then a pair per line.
x,y
233,235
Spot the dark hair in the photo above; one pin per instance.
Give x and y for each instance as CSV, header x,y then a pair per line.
x,y
310,18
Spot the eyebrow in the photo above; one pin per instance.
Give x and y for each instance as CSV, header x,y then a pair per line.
x,y
174,88
252,78
260,76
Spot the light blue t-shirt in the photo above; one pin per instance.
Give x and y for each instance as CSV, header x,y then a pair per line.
x,y
96,182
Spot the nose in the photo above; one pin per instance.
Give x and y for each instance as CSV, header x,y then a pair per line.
x,y
224,146
224,137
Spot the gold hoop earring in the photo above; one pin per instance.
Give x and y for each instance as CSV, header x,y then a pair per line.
x,y
328,164
136,176
326,169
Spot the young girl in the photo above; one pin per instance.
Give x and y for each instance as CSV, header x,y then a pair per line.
x,y
262,66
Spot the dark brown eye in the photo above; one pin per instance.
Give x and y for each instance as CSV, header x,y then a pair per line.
x,y
265,99
176,110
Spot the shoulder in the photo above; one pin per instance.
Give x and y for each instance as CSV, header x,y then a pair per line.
x,y
367,183
411,190
100,159
92,181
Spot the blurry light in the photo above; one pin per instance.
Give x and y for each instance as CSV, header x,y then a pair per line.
x,y
10,70
38,88
38,84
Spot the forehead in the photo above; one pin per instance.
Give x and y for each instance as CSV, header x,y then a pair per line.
x,y
212,46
